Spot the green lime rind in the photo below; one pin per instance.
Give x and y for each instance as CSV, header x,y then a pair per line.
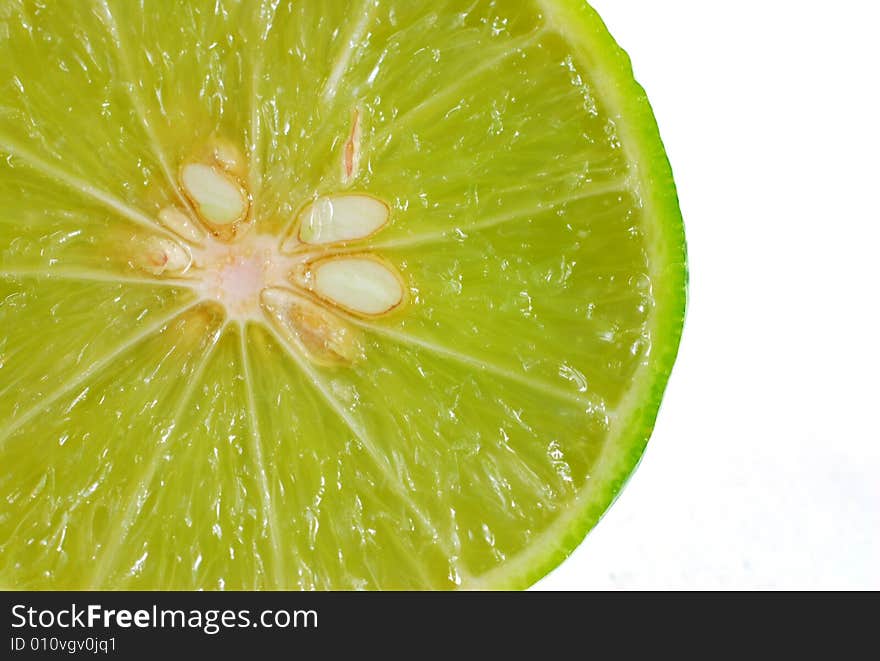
x,y
627,102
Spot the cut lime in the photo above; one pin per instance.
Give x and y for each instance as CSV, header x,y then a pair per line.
x,y
317,294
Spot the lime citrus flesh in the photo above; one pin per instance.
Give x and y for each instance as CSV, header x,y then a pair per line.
x,y
368,294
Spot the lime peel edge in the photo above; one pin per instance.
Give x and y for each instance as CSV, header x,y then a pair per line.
x,y
628,105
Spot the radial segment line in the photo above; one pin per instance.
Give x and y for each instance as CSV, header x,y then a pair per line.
x,y
599,473
393,481
257,451
123,524
263,22
78,185
353,45
90,371
137,101
353,42
255,139
562,177
579,399
500,219
415,562
489,64
88,275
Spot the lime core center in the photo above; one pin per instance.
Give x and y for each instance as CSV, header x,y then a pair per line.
x,y
311,283
235,275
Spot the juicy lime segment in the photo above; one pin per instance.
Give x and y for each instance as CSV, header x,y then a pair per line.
x,y
370,294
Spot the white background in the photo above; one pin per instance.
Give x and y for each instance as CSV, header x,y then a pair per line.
x,y
764,468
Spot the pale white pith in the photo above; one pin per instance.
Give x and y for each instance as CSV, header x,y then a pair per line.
x,y
301,283
245,273
234,275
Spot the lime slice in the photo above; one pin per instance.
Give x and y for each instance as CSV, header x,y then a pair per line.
x,y
317,294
